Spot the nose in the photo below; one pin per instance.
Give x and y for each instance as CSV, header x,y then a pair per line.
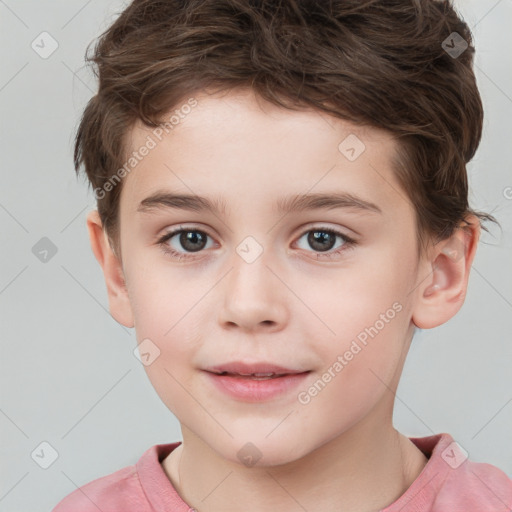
x,y
254,298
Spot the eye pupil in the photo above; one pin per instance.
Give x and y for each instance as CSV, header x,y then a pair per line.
x,y
188,239
322,239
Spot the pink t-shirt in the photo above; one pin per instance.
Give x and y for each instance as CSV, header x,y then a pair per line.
x,y
448,483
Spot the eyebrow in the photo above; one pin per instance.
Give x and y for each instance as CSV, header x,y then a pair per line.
x,y
297,203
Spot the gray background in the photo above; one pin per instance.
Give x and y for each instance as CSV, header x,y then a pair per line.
x,y
68,373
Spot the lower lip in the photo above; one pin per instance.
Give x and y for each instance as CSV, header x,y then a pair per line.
x,y
252,390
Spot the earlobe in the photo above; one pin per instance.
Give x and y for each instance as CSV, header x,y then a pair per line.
x,y
441,294
119,303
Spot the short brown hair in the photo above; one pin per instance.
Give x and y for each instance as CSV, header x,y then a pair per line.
x,y
376,63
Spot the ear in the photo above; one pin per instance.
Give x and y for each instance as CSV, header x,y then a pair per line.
x,y
119,303
442,293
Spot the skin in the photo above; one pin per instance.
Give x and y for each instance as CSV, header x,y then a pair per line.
x,y
291,306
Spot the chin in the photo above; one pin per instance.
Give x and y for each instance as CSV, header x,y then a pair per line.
x,y
255,450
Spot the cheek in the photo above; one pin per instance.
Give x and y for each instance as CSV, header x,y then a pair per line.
x,y
166,312
171,371
164,300
358,372
359,332
343,306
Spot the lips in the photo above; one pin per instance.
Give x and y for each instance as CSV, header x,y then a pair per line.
x,y
255,382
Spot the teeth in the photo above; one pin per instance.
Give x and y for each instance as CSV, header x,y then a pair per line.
x,y
254,375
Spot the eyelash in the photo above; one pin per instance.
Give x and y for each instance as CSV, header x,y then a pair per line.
x,y
350,243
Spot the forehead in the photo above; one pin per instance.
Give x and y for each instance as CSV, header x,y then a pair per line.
x,y
234,113
235,137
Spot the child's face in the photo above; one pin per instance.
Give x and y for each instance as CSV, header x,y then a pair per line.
x,y
292,306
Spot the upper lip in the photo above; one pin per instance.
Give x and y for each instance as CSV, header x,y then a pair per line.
x,y
241,368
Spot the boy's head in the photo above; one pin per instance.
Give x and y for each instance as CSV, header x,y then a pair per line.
x,y
253,106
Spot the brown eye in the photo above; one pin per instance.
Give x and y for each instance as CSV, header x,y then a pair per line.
x,y
182,243
323,240
192,241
